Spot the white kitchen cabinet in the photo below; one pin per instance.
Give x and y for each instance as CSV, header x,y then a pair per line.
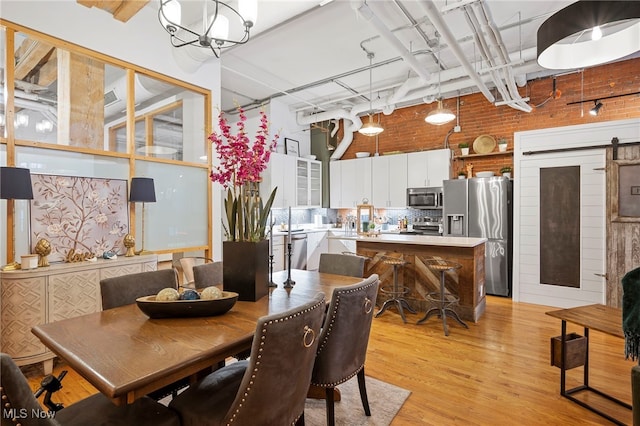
x,y
389,181
278,174
355,177
308,183
428,168
278,253
317,243
335,184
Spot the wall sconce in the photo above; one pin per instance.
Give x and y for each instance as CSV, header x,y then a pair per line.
x,y
588,33
596,109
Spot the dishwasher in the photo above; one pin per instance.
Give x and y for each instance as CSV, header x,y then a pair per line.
x,y
298,251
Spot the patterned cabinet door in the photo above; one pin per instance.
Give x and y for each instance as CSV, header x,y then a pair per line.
x,y
74,294
22,303
120,270
149,266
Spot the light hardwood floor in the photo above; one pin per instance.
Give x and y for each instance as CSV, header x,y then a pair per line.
x,y
496,373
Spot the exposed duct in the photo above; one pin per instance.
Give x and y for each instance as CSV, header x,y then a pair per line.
x,y
500,72
145,88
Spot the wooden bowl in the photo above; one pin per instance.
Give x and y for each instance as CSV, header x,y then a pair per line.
x,y
186,308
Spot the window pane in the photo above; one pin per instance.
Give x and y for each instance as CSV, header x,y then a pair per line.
x,y
178,218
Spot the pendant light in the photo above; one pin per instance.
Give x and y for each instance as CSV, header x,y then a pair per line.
x,y
440,115
371,128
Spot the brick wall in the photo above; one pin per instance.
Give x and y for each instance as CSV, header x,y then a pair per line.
x,y
406,130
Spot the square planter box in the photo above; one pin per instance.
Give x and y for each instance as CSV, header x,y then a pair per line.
x,y
575,348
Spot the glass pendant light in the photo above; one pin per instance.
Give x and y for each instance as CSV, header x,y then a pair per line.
x,y
371,128
440,115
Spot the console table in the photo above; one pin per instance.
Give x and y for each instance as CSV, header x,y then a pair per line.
x,y
604,319
64,290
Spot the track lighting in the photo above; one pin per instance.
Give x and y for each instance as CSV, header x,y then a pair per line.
x,y
596,109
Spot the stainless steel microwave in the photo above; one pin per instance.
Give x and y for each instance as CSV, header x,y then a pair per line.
x,y
424,198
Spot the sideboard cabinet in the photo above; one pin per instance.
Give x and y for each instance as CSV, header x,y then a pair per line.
x,y
53,293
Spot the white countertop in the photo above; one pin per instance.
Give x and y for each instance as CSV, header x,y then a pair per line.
x,y
424,240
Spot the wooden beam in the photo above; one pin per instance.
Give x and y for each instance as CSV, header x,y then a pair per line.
x,y
29,56
122,10
128,8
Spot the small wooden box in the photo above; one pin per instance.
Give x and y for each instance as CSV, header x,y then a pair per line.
x,y
575,347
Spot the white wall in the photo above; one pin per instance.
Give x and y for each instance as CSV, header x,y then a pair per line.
x,y
140,41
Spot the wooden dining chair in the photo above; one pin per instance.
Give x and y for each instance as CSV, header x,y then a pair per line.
x,y
20,407
342,264
125,289
270,387
344,339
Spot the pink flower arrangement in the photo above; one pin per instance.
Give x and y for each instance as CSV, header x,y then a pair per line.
x,y
241,164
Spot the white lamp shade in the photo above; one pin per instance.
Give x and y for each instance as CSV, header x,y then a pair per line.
x,y
171,14
371,128
248,9
439,116
220,28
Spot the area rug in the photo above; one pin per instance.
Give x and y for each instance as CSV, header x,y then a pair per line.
x,y
385,400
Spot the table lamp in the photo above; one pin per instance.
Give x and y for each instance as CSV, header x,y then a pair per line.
x,y
15,184
142,191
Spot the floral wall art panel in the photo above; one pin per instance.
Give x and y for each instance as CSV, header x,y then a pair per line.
x,y
79,215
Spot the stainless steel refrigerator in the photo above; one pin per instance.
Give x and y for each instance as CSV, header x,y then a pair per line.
x,y
482,207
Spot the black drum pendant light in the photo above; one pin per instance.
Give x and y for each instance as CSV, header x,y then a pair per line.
x,y
588,33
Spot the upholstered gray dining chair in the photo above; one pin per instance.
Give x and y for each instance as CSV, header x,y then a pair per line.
x,y
342,264
20,407
186,266
271,387
125,289
207,275
344,339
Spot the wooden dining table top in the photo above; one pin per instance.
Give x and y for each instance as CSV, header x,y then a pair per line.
x,y
126,355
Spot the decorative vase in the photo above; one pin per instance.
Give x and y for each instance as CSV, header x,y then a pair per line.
x,y
507,174
245,268
502,147
464,151
462,177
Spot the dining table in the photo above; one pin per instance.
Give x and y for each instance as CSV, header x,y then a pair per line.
x,y
125,354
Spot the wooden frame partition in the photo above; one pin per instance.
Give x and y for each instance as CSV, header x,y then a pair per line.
x,y
13,143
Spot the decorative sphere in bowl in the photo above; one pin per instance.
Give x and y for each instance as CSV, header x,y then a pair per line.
x,y
189,295
211,293
168,294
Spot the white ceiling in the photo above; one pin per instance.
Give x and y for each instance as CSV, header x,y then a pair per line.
x,y
312,57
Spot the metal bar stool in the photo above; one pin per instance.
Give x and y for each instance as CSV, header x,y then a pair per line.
x,y
442,301
397,292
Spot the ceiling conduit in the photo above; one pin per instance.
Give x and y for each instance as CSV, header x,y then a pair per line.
x,y
436,19
365,11
481,23
418,88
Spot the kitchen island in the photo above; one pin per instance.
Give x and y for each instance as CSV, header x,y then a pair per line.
x,y
468,282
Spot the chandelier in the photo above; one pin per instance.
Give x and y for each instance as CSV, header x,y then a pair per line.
x,y
214,26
